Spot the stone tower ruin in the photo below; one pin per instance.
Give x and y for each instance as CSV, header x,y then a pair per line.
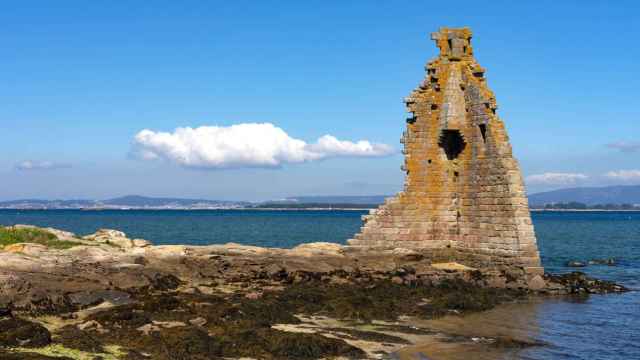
x,y
463,189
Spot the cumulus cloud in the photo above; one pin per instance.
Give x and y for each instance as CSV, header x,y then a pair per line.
x,y
556,178
245,145
624,175
625,146
29,165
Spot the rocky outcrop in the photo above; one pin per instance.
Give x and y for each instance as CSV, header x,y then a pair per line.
x,y
22,333
115,238
39,279
580,283
110,289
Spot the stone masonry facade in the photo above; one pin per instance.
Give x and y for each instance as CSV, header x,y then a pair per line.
x,y
463,188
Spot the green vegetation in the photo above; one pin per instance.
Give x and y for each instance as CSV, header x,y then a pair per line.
x,y
59,352
10,236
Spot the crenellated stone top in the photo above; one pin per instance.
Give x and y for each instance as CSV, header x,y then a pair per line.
x,y
454,43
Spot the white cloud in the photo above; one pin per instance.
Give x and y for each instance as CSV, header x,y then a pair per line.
x,y
625,146
244,145
624,175
28,165
555,179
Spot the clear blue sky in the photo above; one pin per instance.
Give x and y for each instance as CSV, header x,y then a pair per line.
x,y
80,79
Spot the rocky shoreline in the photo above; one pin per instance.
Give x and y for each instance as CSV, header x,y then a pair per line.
x,y
106,296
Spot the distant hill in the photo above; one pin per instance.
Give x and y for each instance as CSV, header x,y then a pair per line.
x,y
144,201
372,199
589,196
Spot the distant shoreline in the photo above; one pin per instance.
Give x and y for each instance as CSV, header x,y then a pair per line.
x,y
289,209
196,209
585,210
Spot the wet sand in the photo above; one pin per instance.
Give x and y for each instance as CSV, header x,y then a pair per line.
x,y
499,333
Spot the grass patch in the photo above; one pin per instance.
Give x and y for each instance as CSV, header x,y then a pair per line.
x,y
10,236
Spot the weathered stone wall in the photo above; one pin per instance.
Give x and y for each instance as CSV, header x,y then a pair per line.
x,y
463,188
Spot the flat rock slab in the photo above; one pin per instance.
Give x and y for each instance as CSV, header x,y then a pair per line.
x,y
453,266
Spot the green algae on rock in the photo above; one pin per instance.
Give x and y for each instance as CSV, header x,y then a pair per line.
x,y
15,332
13,235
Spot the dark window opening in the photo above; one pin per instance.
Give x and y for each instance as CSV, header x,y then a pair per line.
x,y
464,49
450,44
483,131
429,161
452,142
434,106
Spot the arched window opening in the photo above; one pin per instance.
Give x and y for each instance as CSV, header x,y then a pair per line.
x,y
452,142
483,132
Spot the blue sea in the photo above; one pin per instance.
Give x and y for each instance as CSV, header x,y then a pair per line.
x,y
598,327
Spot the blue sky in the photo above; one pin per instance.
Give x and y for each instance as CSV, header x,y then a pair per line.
x,y
82,79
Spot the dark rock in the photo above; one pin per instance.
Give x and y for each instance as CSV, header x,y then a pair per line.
x,y
121,316
164,282
85,299
5,312
10,355
72,337
579,283
275,344
188,343
511,343
15,332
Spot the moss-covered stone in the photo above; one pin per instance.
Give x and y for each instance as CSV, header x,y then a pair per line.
x,y
9,236
15,332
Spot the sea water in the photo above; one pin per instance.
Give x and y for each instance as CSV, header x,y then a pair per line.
x,y
596,327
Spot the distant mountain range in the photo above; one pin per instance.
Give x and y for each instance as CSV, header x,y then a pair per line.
x,y
589,196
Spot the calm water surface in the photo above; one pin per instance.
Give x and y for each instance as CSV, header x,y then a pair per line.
x,y
599,327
